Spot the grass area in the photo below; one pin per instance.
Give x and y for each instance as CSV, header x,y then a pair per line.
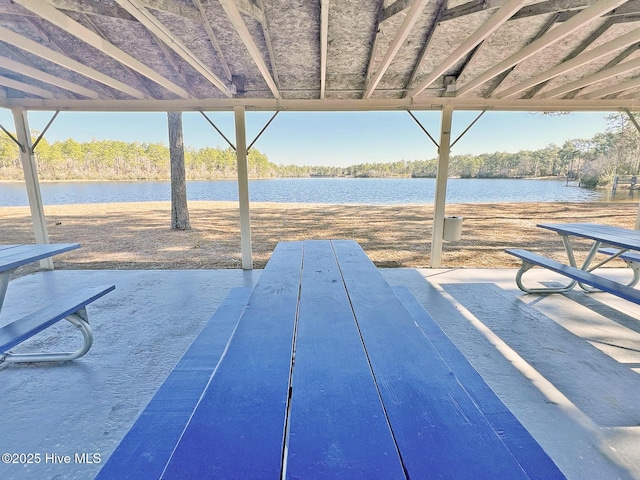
x,y
138,235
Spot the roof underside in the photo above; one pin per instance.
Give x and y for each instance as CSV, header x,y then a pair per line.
x,y
319,54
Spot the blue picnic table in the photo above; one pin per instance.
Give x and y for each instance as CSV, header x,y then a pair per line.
x,y
611,241
71,307
325,371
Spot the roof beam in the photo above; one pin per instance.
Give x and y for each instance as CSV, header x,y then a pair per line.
x,y
393,9
35,48
91,8
552,6
574,23
602,92
324,45
317,105
588,57
66,23
474,6
409,21
24,87
591,79
487,28
267,39
29,71
213,39
586,43
151,23
612,63
425,46
504,75
235,17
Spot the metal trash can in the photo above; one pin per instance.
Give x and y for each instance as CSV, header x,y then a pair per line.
x,y
452,229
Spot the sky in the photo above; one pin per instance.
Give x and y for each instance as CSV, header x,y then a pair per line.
x,y
330,138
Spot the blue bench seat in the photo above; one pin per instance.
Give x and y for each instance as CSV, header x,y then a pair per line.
x,y
71,306
529,259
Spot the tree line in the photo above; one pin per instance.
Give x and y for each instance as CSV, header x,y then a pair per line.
x,y
591,161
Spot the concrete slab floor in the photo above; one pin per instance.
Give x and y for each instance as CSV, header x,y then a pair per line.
x,y
568,366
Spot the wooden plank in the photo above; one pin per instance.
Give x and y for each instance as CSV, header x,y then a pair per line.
x,y
337,426
582,276
23,254
528,453
439,429
147,447
33,323
238,427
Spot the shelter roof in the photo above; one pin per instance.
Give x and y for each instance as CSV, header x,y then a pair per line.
x,y
319,54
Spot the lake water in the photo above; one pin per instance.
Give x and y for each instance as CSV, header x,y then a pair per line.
x,y
374,191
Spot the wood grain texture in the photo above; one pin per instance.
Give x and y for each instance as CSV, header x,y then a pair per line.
x,y
438,427
338,428
238,427
147,447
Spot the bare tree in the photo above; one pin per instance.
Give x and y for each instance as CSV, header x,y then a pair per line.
x,y
179,209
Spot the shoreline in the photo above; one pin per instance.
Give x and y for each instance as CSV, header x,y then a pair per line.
x,y
138,235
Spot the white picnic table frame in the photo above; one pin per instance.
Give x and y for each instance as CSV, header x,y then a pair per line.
x,y
622,239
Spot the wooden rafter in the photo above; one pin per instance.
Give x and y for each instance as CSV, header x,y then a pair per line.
x,y
393,9
612,63
586,43
619,69
142,80
375,40
235,17
32,72
496,20
324,44
504,75
35,48
78,30
588,57
405,29
471,7
267,39
618,87
151,23
25,87
576,22
425,46
213,39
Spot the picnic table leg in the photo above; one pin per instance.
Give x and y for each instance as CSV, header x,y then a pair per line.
x,y
4,283
527,266
80,320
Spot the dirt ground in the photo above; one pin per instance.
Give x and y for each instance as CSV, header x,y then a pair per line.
x,y
138,235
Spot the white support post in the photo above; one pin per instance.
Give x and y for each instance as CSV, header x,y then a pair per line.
x,y
441,187
243,188
31,180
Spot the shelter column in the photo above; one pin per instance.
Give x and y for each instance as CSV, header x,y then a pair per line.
x,y
243,188
441,187
31,180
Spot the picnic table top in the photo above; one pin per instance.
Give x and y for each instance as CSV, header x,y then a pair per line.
x,y
329,373
14,256
617,236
